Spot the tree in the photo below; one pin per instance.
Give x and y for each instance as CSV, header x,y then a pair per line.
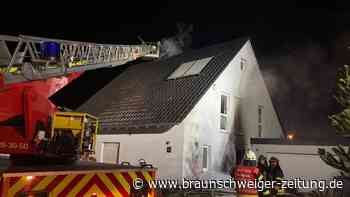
x,y
340,158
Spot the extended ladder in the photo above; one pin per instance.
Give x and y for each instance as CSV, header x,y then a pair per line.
x,y
35,58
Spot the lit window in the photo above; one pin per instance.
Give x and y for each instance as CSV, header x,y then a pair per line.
x,y
190,68
223,112
205,158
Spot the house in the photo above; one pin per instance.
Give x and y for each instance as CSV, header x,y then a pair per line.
x,y
190,116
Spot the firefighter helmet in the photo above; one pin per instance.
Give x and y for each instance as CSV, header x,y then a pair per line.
x,y
274,159
249,159
250,155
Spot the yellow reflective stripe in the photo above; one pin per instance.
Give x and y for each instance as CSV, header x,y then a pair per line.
x,y
96,191
44,183
17,186
267,192
279,178
260,177
147,176
80,185
11,70
122,181
58,189
108,183
133,175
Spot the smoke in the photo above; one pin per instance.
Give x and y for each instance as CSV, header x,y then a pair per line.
x,y
300,82
170,47
177,44
303,70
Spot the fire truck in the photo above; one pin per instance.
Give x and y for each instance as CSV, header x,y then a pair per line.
x,y
80,179
31,70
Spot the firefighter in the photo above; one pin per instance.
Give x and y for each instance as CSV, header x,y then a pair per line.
x,y
263,169
275,173
248,171
263,165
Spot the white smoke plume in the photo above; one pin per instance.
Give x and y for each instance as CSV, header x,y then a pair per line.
x,y
300,82
170,47
177,44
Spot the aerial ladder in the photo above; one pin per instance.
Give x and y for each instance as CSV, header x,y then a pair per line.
x,y
31,70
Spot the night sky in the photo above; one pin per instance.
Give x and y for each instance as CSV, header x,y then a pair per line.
x,y
299,46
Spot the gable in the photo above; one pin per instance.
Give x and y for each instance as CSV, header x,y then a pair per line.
x,y
257,103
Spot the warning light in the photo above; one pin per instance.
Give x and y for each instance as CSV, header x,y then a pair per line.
x,y
29,178
290,136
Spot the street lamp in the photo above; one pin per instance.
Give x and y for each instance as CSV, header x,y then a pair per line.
x,y
290,136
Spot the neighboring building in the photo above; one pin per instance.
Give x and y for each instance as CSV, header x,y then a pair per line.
x,y
190,115
299,159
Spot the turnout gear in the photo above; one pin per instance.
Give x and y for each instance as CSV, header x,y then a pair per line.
x,y
263,168
247,171
275,173
244,174
263,165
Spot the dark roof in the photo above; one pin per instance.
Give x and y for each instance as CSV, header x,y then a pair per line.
x,y
141,99
320,142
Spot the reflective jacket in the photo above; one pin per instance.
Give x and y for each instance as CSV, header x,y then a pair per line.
x,y
275,174
247,173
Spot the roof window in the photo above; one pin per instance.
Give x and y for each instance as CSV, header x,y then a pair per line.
x,y
190,68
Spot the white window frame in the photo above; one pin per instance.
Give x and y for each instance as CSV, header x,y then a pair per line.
x,y
102,151
243,64
208,157
227,111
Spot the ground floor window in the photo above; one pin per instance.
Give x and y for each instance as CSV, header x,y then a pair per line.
x,y
205,158
110,152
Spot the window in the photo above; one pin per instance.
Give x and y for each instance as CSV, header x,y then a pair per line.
x,y
190,68
243,63
259,130
205,158
259,113
260,109
110,152
223,112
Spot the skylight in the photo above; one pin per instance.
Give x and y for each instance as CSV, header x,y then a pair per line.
x,y
190,68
